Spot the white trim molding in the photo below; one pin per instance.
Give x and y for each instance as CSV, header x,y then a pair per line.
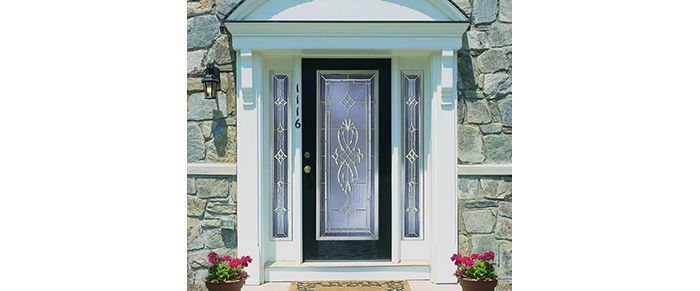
x,y
485,170
211,169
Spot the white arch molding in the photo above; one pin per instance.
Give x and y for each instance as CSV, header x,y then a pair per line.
x,y
418,36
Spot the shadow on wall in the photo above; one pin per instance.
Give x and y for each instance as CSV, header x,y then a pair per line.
x,y
219,131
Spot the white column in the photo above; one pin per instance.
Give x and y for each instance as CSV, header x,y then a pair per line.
x,y
249,78
443,151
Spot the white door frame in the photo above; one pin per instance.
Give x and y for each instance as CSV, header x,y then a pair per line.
x,y
431,47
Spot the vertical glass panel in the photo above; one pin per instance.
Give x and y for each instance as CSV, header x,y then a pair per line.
x,y
412,198
348,194
280,219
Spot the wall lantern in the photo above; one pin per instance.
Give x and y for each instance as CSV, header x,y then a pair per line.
x,y
211,81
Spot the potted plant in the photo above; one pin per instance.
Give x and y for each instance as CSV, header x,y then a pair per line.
x,y
226,273
475,273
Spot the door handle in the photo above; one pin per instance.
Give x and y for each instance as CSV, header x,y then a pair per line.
x,y
307,169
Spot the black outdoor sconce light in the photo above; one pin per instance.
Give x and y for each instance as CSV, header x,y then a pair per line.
x,y
211,81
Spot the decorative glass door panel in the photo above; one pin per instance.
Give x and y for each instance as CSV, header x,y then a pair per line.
x,y
347,140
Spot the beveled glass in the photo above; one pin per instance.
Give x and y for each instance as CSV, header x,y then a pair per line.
x,y
347,164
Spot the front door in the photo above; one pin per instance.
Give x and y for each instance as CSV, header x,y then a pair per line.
x,y
346,146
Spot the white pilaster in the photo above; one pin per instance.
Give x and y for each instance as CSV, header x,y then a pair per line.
x,y
249,158
443,151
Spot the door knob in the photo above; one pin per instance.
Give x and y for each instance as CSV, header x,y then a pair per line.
x,y
307,169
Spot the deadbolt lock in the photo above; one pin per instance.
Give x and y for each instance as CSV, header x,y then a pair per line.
x,y
307,169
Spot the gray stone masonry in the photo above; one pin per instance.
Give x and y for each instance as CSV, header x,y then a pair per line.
x,y
209,200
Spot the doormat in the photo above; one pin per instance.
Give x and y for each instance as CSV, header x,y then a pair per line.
x,y
349,286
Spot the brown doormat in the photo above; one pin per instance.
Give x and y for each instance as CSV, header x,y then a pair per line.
x,y
349,286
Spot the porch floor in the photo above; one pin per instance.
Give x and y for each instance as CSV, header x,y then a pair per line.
x,y
415,286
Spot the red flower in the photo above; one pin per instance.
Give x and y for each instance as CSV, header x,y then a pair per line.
x,y
489,256
247,259
213,258
470,263
242,274
226,258
476,256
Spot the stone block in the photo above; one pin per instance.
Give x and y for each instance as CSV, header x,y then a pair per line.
x,y
484,11
503,286
219,52
195,8
499,34
505,107
470,145
206,129
505,259
195,143
191,188
195,206
478,204
495,85
194,286
199,108
223,7
504,228
492,61
495,188
498,148
194,84
481,243
463,245
195,63
478,221
195,239
212,238
212,188
491,128
468,188
505,11
466,76
476,40
505,209
221,208
478,112
198,259
202,31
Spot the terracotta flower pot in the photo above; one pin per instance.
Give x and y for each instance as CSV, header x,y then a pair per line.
x,y
225,286
475,285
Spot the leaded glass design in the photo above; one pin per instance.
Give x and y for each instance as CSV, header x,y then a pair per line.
x,y
280,216
412,198
348,142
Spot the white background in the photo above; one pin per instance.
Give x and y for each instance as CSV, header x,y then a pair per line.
x,y
605,145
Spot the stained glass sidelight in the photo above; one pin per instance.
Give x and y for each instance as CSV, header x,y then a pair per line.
x,y
412,198
280,219
348,140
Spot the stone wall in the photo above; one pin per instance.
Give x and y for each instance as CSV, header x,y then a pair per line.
x,y
484,84
485,219
484,134
209,200
211,124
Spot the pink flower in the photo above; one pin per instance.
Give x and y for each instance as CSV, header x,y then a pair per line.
x,y
213,258
489,256
247,259
469,263
234,263
242,274
460,273
455,257
226,258
476,257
